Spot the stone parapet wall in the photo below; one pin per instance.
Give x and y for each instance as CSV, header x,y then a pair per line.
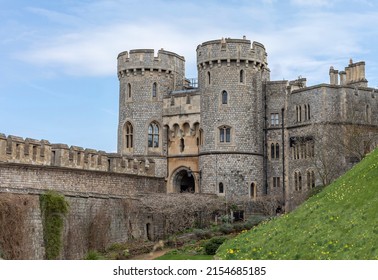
x,y
213,53
14,149
143,61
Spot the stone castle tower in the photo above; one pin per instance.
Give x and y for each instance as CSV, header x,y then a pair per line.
x,y
193,132
144,80
231,76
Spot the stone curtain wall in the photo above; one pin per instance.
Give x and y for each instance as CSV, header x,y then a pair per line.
x,y
22,178
98,215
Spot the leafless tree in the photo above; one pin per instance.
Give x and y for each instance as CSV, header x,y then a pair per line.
x,y
181,211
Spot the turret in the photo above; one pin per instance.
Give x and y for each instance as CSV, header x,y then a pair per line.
x,y
231,76
144,80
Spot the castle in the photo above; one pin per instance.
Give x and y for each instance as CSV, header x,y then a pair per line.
x,y
231,133
234,132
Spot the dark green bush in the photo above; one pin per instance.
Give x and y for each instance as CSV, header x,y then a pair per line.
x,y
239,226
213,244
94,255
202,233
226,228
255,220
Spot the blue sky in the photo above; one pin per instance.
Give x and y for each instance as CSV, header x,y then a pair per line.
x,y
58,58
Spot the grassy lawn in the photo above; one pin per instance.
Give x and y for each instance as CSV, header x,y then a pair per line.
x,y
338,223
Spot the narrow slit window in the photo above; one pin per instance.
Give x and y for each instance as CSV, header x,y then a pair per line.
x,y
154,90
224,97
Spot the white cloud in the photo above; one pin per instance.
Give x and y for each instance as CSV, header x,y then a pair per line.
x,y
297,44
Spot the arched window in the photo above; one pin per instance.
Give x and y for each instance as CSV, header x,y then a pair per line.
x,y
252,190
129,135
297,146
186,129
220,188
201,137
153,135
277,150
305,111
176,130
241,78
208,78
224,97
310,179
182,145
154,89
308,112
299,114
129,91
297,180
225,134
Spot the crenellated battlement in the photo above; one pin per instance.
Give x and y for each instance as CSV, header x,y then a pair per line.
x,y
144,60
14,149
224,51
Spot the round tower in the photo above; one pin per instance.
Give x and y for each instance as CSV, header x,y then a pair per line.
x,y
231,74
144,79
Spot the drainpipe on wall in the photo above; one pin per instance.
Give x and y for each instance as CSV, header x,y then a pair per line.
x,y
265,147
283,158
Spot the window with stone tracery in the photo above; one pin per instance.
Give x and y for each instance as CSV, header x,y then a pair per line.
x,y
225,134
153,135
129,135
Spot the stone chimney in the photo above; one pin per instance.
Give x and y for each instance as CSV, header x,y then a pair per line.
x,y
342,78
355,74
333,76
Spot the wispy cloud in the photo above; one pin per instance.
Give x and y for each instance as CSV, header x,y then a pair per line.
x,y
297,42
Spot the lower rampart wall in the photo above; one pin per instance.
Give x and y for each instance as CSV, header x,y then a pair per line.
x,y
103,206
23,178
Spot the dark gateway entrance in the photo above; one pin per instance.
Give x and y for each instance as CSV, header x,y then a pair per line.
x,y
184,182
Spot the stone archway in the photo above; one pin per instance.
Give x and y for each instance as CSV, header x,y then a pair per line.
x,y
184,181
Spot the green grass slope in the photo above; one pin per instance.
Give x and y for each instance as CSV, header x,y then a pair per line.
x,y
341,222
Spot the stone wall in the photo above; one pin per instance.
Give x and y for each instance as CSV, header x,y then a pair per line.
x,y
99,214
236,173
14,149
35,179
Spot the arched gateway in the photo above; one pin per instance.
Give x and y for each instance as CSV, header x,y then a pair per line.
x,y
184,181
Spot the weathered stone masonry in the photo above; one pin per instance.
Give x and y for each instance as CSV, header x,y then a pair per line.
x,y
234,133
231,133
99,199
